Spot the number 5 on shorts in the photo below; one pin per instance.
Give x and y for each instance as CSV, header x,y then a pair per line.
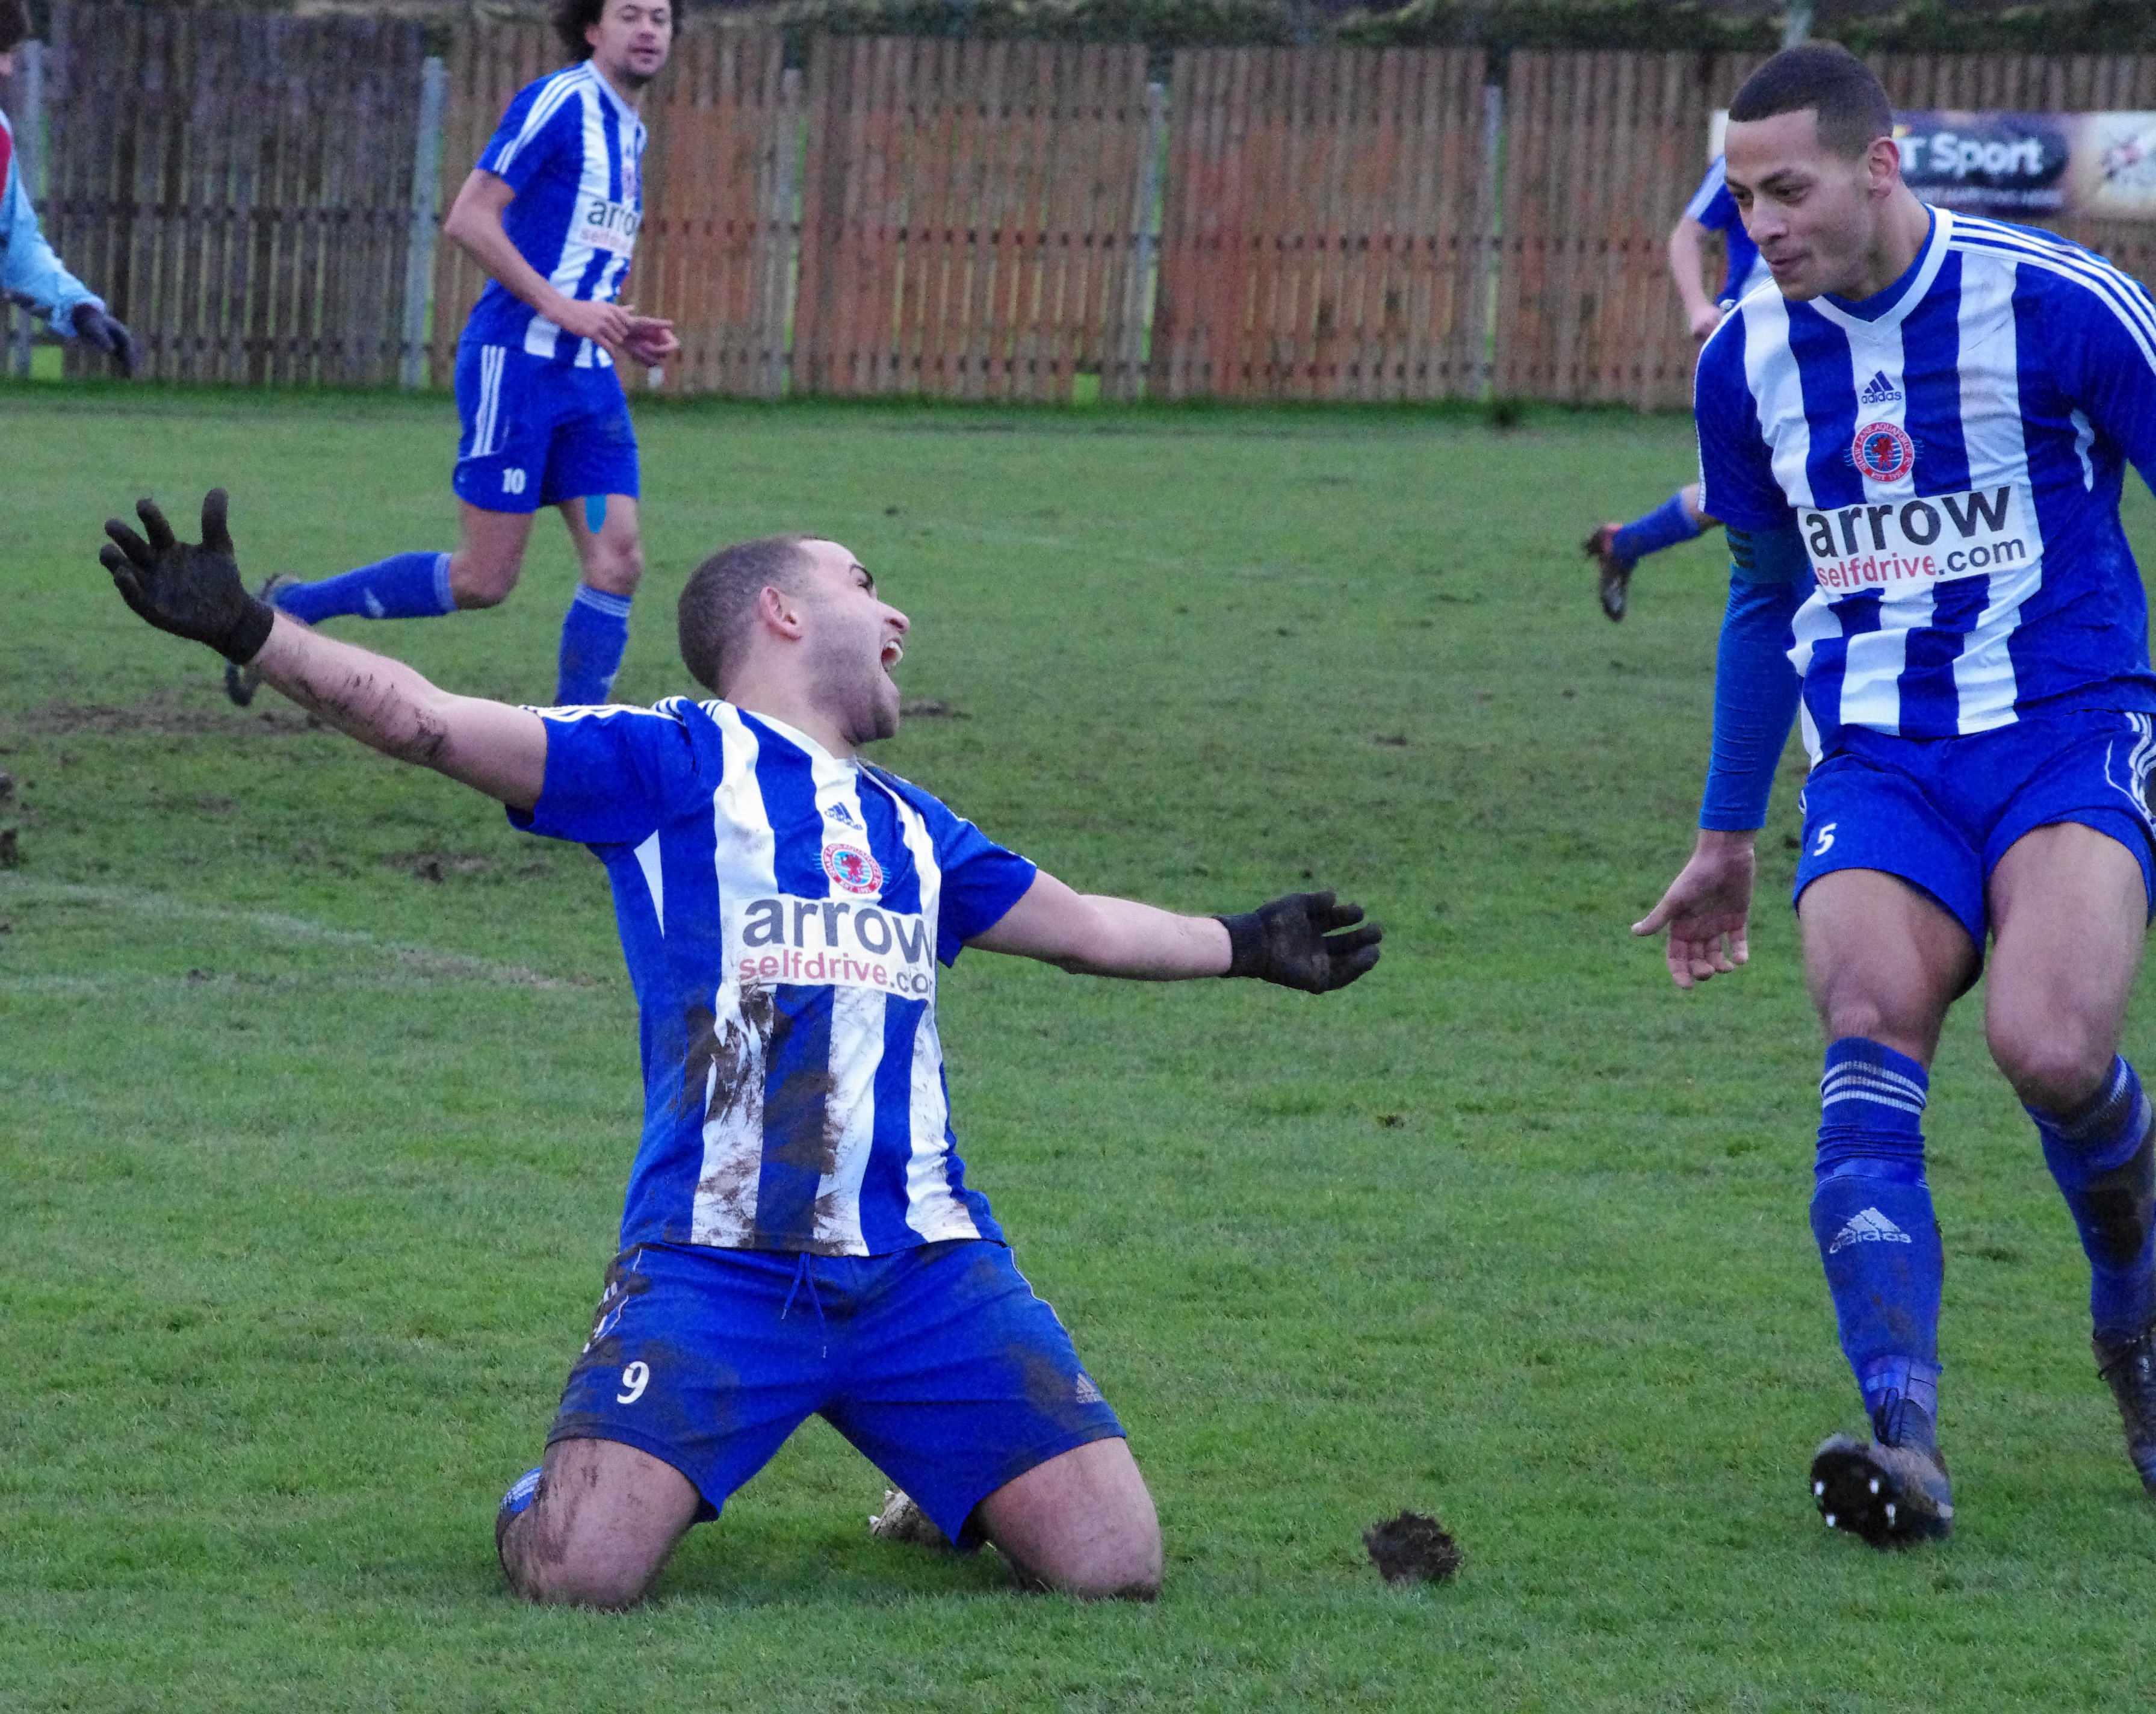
x,y
633,1379
1825,842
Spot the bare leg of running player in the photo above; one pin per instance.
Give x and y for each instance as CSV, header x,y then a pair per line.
x,y
612,556
487,564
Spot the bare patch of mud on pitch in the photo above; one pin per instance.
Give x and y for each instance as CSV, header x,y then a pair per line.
x,y
1412,1548
931,708
172,713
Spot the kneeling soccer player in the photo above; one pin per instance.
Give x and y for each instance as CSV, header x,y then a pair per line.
x,y
1918,444
800,1237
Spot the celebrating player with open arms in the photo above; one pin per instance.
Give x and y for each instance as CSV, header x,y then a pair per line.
x,y
800,1236
551,213
1918,446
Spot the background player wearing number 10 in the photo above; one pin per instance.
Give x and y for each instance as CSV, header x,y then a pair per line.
x,y
550,211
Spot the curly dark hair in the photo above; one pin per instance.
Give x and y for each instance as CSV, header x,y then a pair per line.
x,y
14,24
571,18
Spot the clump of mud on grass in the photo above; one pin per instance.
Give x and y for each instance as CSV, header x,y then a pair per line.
x,y
1412,1548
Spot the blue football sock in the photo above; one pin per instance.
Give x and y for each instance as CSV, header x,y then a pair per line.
x,y
593,637
403,586
1665,526
2104,1159
1878,1237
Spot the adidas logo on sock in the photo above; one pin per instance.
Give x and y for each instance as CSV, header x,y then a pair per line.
x,y
1879,390
1869,1226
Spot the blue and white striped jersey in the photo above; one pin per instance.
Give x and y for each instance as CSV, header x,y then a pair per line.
x,y
1951,453
1713,207
782,912
573,150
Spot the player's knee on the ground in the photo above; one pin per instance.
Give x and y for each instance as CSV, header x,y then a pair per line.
x,y
602,1527
1083,1524
571,1579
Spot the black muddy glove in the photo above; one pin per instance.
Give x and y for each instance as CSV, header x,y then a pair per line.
x,y
1292,941
109,334
191,592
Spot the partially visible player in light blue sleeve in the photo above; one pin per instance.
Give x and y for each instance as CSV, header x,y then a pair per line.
x,y
30,273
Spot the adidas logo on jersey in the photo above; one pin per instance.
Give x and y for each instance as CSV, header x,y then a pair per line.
x,y
1868,1225
840,813
1879,390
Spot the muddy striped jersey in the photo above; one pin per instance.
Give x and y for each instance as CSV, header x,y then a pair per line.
x,y
782,911
572,151
1951,453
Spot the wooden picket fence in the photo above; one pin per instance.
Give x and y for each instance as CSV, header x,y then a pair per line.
x,y
237,186
1325,234
1585,309
972,219
957,219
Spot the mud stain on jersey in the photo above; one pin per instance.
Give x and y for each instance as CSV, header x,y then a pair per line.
x,y
730,1062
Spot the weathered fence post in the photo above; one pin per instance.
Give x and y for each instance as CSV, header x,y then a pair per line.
x,y
1490,221
1137,319
27,116
784,216
419,244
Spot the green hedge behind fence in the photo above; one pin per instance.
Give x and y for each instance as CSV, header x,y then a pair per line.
x,y
1922,26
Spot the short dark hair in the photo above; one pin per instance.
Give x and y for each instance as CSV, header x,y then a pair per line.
x,y
719,601
1852,107
571,18
14,24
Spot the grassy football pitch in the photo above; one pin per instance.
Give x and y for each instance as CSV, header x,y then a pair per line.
x,y
318,1089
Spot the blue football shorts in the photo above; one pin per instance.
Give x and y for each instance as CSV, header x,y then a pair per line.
x,y
535,433
938,1363
1941,812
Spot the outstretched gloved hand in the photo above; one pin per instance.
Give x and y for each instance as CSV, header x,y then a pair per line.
x,y
109,334
192,592
1297,942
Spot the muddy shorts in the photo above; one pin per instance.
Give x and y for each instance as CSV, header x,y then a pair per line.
x,y
938,1363
1941,812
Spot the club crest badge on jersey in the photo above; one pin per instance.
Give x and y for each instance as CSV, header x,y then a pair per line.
x,y
1884,452
852,868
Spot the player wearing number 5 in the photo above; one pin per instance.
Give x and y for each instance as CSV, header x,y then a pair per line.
x,y
550,211
1917,445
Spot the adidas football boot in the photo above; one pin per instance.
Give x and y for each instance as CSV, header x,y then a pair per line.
x,y
2130,1372
1892,1490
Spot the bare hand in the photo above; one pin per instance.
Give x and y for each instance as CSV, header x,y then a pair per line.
x,y
1706,908
650,341
605,323
1704,321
